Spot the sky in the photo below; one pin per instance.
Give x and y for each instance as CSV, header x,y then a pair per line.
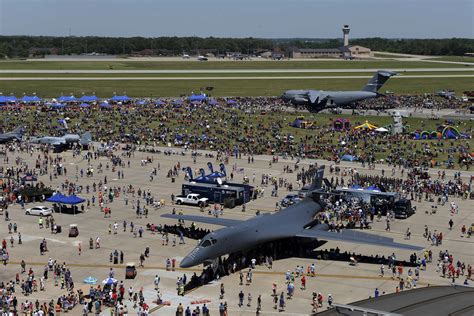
x,y
239,18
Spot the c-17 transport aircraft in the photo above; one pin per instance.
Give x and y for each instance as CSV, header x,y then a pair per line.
x,y
297,220
317,100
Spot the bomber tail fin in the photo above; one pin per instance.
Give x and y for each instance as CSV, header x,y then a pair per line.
x,y
86,138
377,81
317,180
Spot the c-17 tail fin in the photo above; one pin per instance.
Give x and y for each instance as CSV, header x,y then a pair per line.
x,y
377,81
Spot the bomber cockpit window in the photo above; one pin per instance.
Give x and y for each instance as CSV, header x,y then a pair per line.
x,y
205,243
213,241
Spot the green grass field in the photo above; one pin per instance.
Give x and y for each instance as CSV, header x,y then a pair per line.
x,y
173,88
283,64
227,87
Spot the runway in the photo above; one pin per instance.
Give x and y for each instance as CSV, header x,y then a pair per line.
x,y
217,71
222,78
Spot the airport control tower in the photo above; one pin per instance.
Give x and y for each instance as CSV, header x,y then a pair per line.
x,y
345,32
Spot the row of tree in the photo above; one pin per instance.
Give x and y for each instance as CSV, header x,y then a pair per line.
x,y
24,46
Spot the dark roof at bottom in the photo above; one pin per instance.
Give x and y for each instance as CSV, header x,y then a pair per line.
x,y
432,300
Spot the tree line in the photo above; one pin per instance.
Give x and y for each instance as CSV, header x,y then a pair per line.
x,y
24,46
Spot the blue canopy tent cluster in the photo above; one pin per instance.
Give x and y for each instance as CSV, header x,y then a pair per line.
x,y
67,99
197,97
89,98
67,200
31,99
5,99
120,98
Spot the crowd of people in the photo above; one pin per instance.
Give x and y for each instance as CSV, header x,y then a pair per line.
x,y
241,127
228,125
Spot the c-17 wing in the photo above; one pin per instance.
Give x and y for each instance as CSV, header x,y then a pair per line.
x,y
355,236
317,96
203,219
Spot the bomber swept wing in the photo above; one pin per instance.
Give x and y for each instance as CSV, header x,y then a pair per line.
x,y
355,236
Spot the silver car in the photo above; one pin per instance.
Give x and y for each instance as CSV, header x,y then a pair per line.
x,y
39,210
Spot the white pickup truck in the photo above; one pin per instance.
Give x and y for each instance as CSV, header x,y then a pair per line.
x,y
192,199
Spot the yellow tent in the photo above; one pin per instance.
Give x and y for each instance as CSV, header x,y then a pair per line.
x,y
366,125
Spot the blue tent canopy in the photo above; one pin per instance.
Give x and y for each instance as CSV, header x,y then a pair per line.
x,y
197,97
30,99
348,158
66,98
89,98
141,102
231,102
105,105
57,105
84,105
120,98
177,102
62,199
213,102
159,102
7,99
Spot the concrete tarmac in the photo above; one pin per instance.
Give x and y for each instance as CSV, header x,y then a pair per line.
x,y
346,283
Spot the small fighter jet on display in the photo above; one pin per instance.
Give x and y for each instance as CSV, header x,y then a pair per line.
x,y
14,135
317,100
64,141
297,220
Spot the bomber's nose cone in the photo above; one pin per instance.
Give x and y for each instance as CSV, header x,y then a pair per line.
x,y
187,262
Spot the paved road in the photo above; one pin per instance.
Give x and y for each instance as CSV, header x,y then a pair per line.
x,y
223,78
192,71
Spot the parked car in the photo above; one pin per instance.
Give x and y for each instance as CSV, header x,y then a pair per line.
x,y
39,210
192,199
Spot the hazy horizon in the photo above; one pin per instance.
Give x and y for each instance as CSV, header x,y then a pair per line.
x,y
271,19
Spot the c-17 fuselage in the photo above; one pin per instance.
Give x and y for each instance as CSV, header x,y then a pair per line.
x,y
317,100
